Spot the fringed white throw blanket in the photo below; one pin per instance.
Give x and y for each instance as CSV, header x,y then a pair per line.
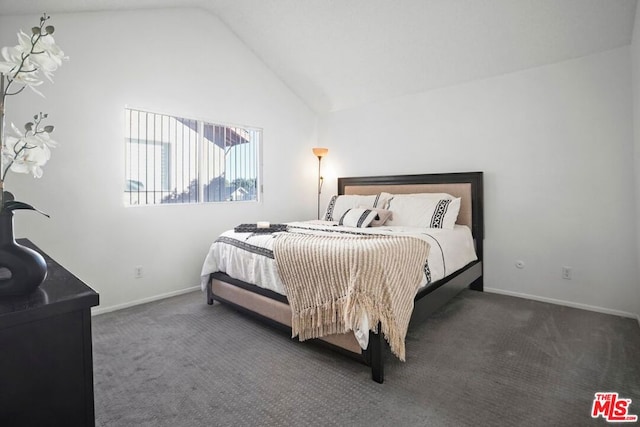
x,y
332,281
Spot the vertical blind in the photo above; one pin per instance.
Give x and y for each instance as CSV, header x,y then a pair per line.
x,y
170,159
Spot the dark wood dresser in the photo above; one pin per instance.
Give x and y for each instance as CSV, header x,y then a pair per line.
x,y
46,365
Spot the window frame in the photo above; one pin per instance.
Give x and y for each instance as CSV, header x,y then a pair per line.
x,y
135,138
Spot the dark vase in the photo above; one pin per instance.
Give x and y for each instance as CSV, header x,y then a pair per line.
x,y
22,269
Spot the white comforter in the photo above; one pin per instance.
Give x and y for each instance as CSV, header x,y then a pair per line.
x,y
248,256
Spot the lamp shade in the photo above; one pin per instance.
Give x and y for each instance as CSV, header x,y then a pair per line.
x,y
320,152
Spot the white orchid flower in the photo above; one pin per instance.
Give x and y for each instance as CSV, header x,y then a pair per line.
x,y
45,64
44,44
24,157
27,74
47,44
8,67
12,57
29,79
24,165
27,153
40,139
45,54
24,61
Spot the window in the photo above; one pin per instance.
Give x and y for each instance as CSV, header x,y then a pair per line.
x,y
171,159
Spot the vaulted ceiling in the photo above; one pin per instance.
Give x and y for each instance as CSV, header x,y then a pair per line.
x,y
337,54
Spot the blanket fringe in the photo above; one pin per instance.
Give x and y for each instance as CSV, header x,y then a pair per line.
x,y
316,322
361,304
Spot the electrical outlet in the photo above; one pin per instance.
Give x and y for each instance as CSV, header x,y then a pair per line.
x,y
566,273
137,271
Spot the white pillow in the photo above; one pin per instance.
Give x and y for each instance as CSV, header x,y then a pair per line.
x,y
424,212
358,217
340,204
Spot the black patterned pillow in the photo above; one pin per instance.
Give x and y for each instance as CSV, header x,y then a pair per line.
x,y
328,216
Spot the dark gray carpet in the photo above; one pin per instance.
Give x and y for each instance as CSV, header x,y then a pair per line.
x,y
483,360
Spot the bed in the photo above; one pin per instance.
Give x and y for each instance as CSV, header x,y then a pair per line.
x,y
259,291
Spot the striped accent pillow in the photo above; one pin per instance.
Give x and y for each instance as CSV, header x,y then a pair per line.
x,y
339,204
358,217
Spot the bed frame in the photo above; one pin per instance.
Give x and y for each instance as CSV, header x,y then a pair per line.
x,y
273,308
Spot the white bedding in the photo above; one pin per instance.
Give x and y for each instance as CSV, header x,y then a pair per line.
x,y
249,256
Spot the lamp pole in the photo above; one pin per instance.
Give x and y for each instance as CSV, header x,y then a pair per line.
x,y
320,152
320,180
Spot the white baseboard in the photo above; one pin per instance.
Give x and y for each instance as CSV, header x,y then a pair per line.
x,y
565,303
96,311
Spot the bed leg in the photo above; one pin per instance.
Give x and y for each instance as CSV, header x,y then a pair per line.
x,y
478,284
209,294
376,348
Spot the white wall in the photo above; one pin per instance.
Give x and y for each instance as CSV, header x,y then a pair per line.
x,y
635,57
555,144
181,61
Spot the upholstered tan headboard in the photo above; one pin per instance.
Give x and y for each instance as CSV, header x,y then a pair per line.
x,y
466,185
462,190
